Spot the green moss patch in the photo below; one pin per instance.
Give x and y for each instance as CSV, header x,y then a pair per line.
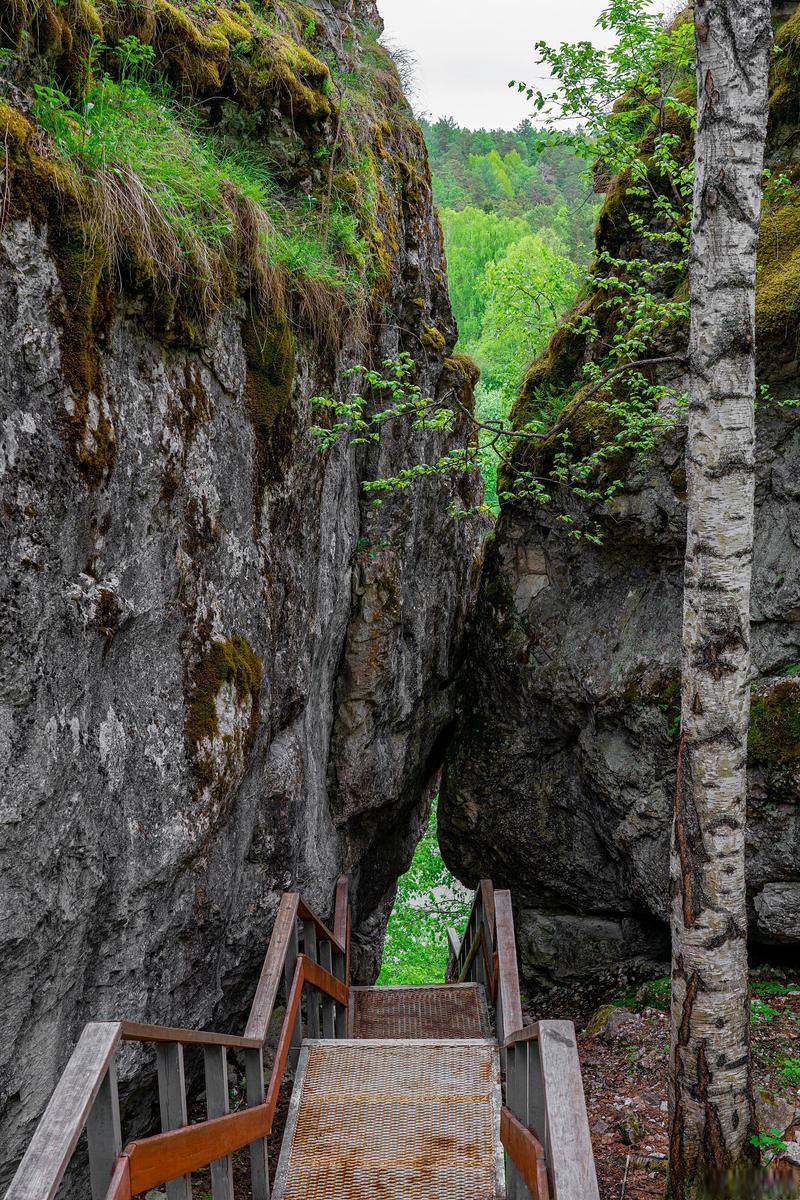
x,y
433,339
231,662
775,725
270,355
778,279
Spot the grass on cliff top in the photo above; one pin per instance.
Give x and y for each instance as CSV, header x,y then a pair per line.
x,y
167,190
428,900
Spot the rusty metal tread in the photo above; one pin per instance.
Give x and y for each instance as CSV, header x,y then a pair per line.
x,y
395,1120
436,1011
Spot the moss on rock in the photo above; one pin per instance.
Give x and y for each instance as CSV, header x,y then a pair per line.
x,y
229,662
433,339
270,356
52,197
778,279
775,724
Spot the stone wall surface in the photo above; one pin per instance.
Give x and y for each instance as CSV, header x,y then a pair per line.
x,y
224,672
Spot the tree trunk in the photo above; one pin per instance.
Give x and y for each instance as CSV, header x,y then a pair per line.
x,y
711,1118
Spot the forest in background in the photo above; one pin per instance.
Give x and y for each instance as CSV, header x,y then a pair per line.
x,y
518,213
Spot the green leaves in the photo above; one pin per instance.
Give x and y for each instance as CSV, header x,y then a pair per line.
x,y
428,900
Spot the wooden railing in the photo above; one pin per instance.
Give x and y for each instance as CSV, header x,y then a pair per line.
x,y
544,1126
86,1094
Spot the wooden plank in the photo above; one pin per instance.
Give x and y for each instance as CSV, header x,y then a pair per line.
x,y
154,1160
526,1153
318,977
528,1034
569,1146
473,951
272,971
285,1039
120,1186
508,983
56,1135
134,1032
308,914
328,1005
104,1134
259,1166
537,1120
172,1102
517,1082
487,892
453,951
342,1014
487,955
311,950
341,918
218,1105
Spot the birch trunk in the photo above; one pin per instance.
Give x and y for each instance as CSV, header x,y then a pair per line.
x,y
710,1100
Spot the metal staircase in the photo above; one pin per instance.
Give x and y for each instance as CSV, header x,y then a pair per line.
x,y
399,1093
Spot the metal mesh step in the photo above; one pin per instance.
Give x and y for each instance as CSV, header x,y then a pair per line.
x,y
394,1120
438,1011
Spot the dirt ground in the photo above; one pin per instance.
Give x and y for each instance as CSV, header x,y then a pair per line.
x,y
624,1053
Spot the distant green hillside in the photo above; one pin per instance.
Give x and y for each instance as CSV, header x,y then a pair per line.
x,y
518,215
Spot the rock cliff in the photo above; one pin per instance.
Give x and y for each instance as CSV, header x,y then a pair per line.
x,y
224,671
560,780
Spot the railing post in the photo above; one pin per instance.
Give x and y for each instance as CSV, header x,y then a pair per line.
x,y
515,1187
328,1005
480,964
537,1120
218,1105
288,975
259,1167
312,995
104,1134
172,1101
341,1011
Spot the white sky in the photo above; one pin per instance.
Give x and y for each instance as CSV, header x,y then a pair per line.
x,y
466,51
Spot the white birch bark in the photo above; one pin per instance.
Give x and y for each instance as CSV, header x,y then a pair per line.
x,y
710,1102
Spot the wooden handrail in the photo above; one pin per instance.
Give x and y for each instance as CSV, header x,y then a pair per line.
x,y
527,1154
272,970
155,1160
120,1186
568,1144
323,933
509,999
90,1071
57,1133
530,1033
544,1127
341,920
134,1032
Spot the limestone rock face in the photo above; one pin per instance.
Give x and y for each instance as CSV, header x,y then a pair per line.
x,y
224,672
560,780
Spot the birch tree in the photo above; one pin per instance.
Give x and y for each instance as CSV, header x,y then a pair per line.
x,y
710,1101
